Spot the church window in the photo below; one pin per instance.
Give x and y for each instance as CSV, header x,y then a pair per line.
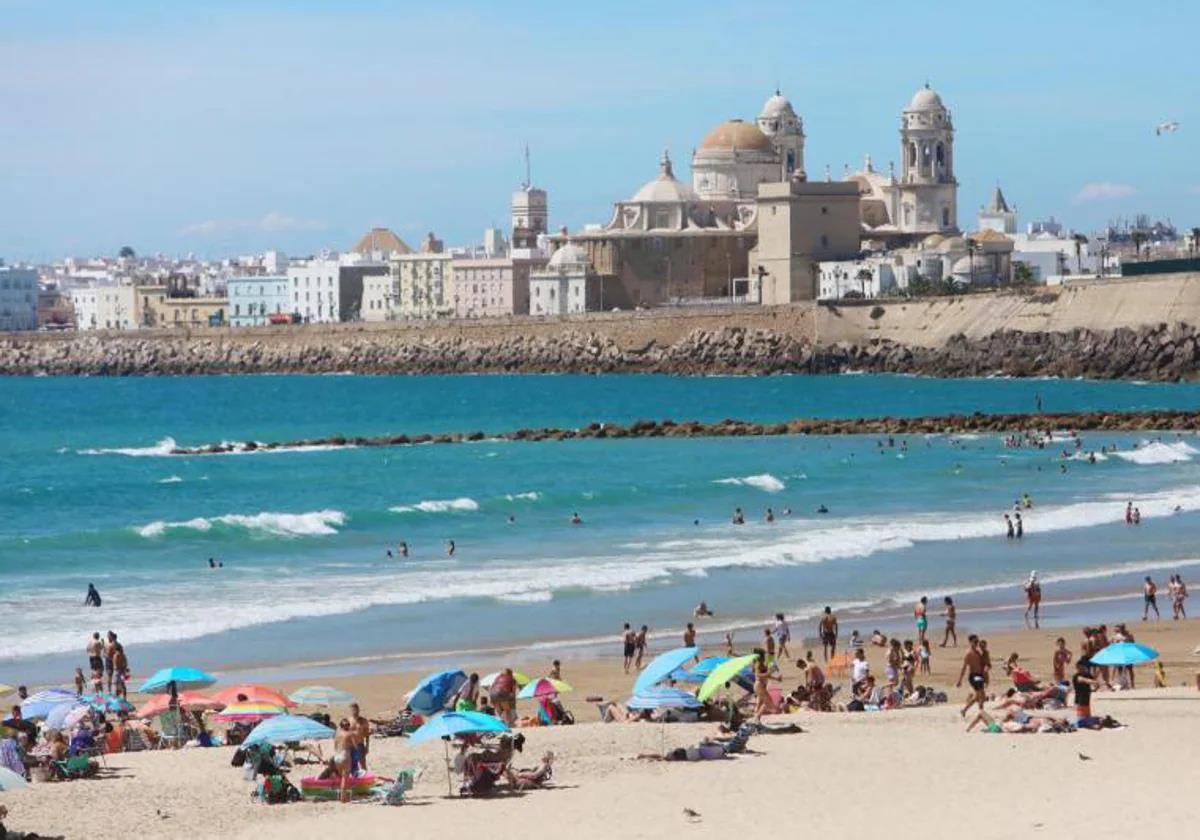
x,y
945,217
941,154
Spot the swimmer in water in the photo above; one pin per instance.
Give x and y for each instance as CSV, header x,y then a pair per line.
x,y
403,549
738,517
212,564
575,519
450,548
702,610
822,509
1008,524
512,520
770,517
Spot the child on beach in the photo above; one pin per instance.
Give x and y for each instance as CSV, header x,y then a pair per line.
x,y
79,681
1060,660
925,653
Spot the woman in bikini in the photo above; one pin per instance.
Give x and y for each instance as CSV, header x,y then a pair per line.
x,y
763,675
343,743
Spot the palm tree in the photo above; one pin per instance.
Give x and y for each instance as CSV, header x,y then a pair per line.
x,y
864,275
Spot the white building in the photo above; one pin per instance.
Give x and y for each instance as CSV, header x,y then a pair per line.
x,y
379,297
253,300
566,284
83,301
18,298
105,307
997,215
316,289
489,288
1043,248
866,278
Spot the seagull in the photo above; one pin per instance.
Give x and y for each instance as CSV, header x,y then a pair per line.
x,y
1165,128
1083,757
690,815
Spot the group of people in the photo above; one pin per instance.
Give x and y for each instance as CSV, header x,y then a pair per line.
x,y
108,664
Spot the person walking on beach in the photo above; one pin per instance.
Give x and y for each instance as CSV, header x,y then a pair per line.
x,y
827,629
783,635
972,668
1150,599
92,599
629,645
1178,598
951,616
919,613
1033,599
639,644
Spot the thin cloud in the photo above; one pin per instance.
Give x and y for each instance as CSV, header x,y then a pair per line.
x,y
273,222
1103,191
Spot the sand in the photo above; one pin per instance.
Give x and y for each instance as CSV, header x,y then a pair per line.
x,y
908,773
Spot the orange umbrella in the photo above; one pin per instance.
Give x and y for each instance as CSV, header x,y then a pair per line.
x,y
159,703
251,693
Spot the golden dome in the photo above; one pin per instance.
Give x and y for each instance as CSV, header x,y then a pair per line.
x,y
735,135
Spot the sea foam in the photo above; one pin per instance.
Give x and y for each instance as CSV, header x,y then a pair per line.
x,y
765,482
312,524
162,449
462,504
1159,453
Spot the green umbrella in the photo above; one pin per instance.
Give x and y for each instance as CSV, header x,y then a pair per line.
x,y
722,674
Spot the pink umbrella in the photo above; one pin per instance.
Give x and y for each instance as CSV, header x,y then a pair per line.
x,y
246,712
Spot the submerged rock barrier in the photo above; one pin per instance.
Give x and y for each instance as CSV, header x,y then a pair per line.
x,y
1163,352
978,423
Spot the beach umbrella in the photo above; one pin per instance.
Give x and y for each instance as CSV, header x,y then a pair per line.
x,y
184,678
487,681
320,695
192,700
243,712
10,780
251,693
285,728
1124,653
662,697
543,687
722,674
60,716
108,703
449,724
661,666
41,703
432,693
698,672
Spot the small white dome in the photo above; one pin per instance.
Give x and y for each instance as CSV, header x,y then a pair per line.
x,y
568,254
665,188
926,99
776,106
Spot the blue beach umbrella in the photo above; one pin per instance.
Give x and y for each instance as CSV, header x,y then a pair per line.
x,y
1124,653
108,703
662,697
185,679
283,729
449,724
661,667
41,703
698,672
56,718
433,693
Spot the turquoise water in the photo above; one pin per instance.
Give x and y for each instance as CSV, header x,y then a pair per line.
x,y
89,496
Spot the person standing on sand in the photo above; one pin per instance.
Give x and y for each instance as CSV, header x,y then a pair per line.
x,y
783,635
629,645
689,637
556,670
1083,684
95,654
763,704
361,728
1033,599
639,644
987,662
1150,599
972,667
110,653
827,629
1060,660
951,616
1180,597
343,747
919,613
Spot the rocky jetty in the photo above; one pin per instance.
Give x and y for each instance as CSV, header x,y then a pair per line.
x,y
1160,352
1111,421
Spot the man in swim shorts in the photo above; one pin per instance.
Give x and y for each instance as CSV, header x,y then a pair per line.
x,y
973,668
361,729
95,649
1150,599
920,614
827,629
629,639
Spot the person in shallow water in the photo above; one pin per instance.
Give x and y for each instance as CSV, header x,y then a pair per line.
x,y
576,519
450,548
93,597
738,517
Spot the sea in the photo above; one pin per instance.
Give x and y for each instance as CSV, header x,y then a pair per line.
x,y
89,493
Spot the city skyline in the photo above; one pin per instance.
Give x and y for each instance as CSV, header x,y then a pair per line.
x,y
299,127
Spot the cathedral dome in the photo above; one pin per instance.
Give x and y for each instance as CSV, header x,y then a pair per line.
x,y
776,106
664,188
569,254
735,135
926,99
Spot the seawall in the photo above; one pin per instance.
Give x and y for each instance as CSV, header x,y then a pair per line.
x,y
1143,329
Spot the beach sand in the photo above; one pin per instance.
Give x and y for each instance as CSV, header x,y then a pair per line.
x,y
908,773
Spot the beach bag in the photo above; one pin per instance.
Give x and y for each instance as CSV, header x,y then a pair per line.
x,y
239,758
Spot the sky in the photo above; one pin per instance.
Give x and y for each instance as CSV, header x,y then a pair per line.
x,y
221,128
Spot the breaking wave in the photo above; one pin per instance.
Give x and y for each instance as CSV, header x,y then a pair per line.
x,y
314,524
765,482
162,449
1159,453
462,504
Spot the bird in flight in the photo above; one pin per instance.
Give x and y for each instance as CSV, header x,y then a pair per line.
x,y
1166,128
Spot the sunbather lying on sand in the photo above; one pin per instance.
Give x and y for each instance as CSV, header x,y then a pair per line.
x,y
1015,721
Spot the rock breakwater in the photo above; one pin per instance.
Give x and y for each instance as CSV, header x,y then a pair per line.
x,y
1111,421
1159,352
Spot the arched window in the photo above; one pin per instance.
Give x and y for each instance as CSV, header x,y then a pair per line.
x,y
941,155
912,154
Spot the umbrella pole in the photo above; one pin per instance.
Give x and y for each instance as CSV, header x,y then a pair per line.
x,y
449,781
